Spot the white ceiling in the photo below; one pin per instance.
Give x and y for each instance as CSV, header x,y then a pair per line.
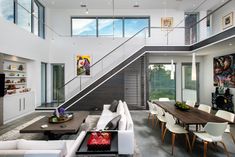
x,y
186,5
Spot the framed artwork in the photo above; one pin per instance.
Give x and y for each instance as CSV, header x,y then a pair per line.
x,y
224,71
83,64
227,20
166,23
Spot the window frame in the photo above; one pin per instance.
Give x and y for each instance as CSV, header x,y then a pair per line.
x,y
175,77
41,19
107,17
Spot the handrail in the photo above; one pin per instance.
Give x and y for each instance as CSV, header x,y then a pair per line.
x,y
112,52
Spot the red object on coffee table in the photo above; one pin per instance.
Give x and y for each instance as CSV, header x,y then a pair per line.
x,y
99,141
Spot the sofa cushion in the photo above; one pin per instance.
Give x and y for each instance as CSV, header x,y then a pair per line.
x,y
12,153
8,145
120,108
42,145
113,106
104,120
122,122
113,124
43,153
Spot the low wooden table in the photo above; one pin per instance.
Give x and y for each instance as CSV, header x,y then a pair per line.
x,y
83,149
54,131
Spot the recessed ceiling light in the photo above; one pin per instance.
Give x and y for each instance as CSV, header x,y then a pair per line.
x,y
230,44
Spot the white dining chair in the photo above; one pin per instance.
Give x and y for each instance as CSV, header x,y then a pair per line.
x,y
205,108
213,133
161,118
163,99
229,117
190,103
152,113
174,129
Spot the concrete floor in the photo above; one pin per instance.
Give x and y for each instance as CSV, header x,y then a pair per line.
x,y
150,145
148,138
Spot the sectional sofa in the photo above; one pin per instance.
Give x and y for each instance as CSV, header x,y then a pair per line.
x,y
33,148
125,127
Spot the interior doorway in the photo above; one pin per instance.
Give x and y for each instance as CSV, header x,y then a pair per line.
x,y
58,82
191,28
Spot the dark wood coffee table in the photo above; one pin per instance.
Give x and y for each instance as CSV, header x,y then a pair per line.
x,y
83,149
54,131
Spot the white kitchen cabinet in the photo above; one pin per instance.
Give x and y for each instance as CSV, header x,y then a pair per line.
x,y
18,105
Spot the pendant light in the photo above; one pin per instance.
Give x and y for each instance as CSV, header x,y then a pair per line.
x,y
194,75
172,70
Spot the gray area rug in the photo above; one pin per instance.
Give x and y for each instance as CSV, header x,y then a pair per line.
x,y
15,133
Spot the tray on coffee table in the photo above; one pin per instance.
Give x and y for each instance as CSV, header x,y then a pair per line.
x,y
83,149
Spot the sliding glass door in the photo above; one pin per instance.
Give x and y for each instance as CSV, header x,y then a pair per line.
x,y
189,87
58,81
160,82
43,83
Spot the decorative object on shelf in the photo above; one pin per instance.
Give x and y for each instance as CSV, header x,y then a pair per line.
x,y
166,23
182,106
227,20
223,101
99,141
21,68
83,64
12,74
224,74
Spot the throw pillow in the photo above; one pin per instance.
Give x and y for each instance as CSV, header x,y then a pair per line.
x,y
122,122
113,106
8,145
113,124
42,145
120,108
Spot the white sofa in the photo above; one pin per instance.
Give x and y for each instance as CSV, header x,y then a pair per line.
x,y
32,148
125,127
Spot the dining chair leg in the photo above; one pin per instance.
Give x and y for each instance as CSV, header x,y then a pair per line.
x,y
194,138
232,137
163,135
225,149
149,117
162,128
187,138
205,148
157,121
173,143
153,117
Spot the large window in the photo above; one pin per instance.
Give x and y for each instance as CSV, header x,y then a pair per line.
x,y
7,9
28,14
160,82
133,25
189,86
108,26
81,26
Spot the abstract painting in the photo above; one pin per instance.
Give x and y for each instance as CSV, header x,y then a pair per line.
x,y
224,74
83,64
166,23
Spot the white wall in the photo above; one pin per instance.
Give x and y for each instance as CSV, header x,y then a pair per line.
x,y
218,15
18,42
178,60
208,80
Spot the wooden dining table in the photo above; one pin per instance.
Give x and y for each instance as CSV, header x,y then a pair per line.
x,y
193,116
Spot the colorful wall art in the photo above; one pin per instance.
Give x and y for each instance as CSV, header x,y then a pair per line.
x,y
224,71
83,64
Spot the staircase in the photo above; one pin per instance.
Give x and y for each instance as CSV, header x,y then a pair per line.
x,y
125,54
